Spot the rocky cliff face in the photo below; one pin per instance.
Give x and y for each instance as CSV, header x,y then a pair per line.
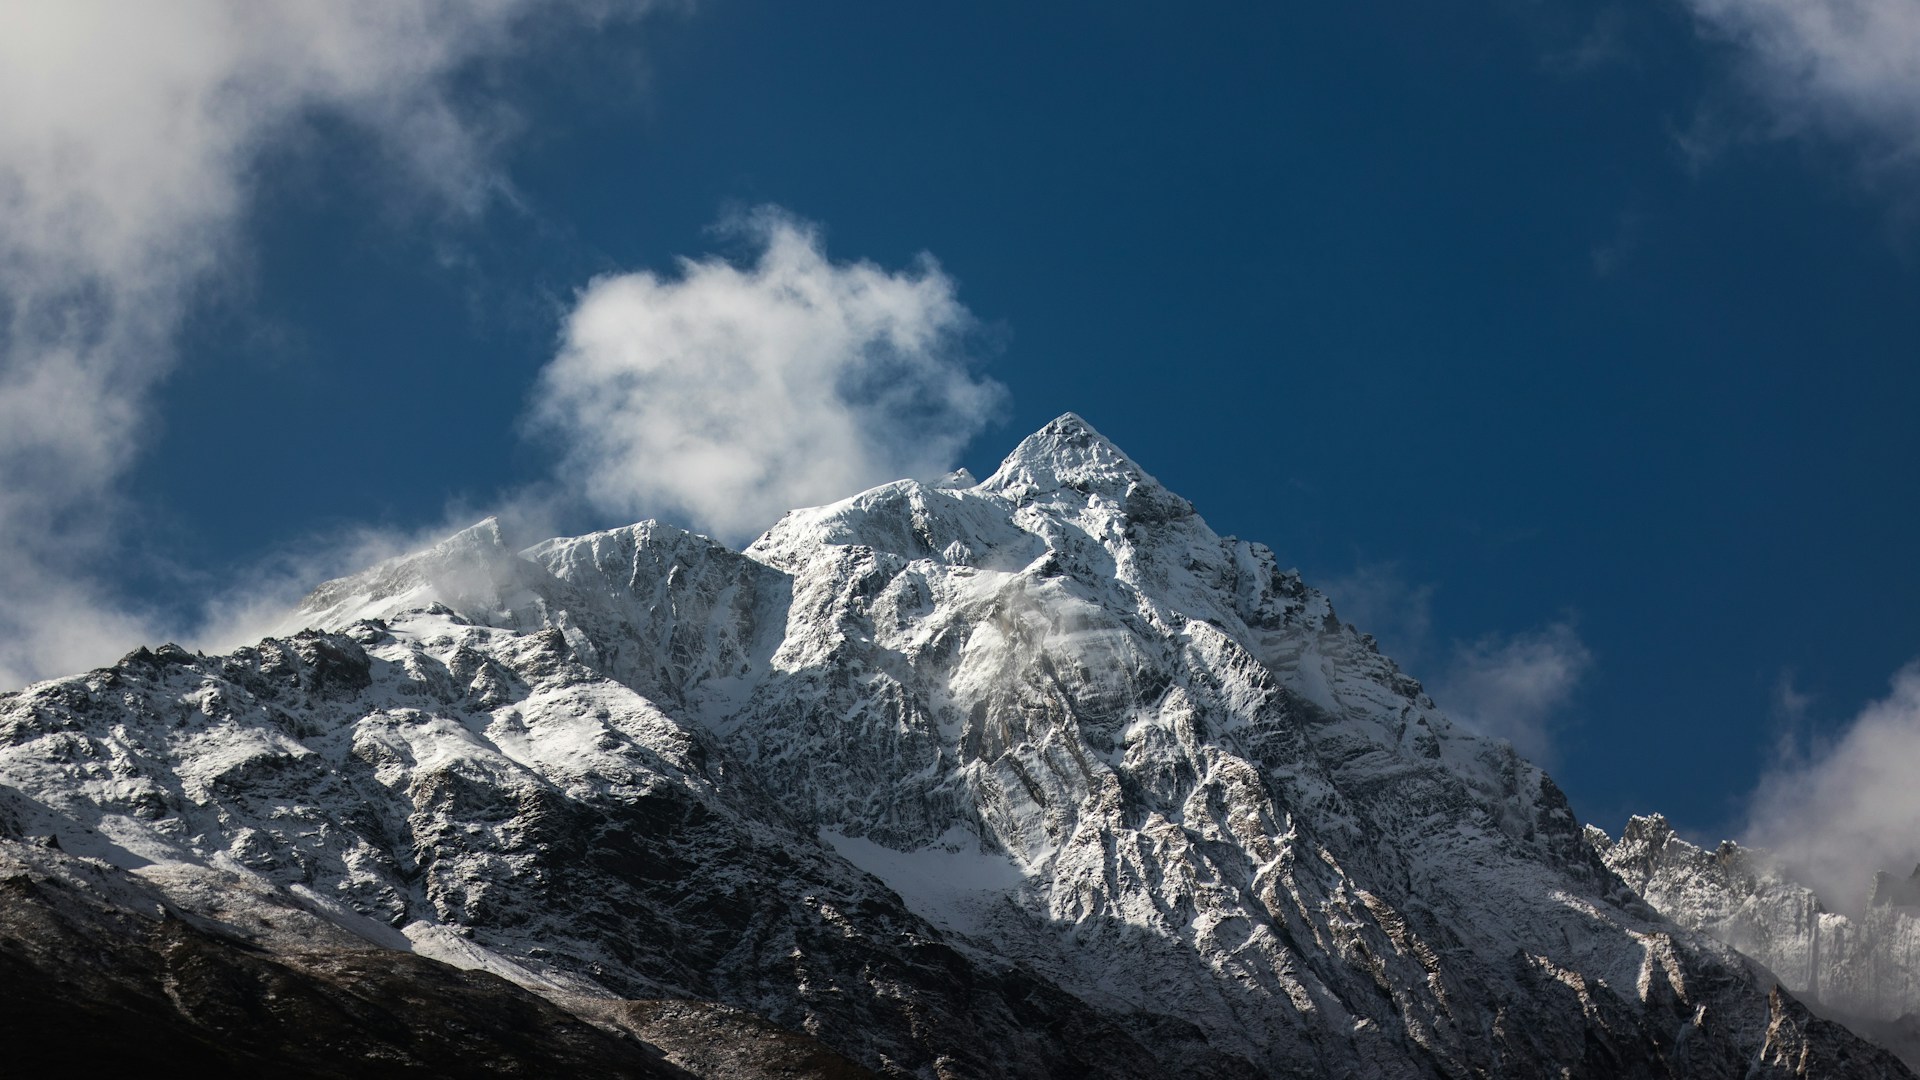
x,y
1863,968
1036,776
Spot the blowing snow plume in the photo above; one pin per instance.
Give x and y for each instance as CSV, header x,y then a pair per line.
x,y
729,393
124,151
1853,809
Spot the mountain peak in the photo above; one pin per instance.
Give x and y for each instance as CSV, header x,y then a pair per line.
x,y
471,571
1004,770
483,534
1067,452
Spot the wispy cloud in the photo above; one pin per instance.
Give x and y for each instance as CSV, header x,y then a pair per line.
x,y
125,151
1516,688
1842,811
1617,250
1602,40
1379,598
1790,703
726,393
1511,686
1835,68
1791,707
258,599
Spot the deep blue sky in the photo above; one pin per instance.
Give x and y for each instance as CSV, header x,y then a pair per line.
x,y
1404,286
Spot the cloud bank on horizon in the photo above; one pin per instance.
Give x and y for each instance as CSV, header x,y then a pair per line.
x,y
726,394
124,158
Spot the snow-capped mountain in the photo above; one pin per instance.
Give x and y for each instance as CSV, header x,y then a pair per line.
x,y
1863,968
1032,777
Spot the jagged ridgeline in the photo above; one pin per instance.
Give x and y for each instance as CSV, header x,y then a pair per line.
x,y
1861,967
1026,778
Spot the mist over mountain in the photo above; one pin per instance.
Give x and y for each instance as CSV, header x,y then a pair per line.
x,y
1035,776
1853,956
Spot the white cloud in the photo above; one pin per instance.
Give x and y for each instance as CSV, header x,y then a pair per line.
x,y
1511,686
1515,688
1850,809
725,394
1842,67
125,145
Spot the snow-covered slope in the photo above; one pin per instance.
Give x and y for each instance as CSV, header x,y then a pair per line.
x,y
1038,776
